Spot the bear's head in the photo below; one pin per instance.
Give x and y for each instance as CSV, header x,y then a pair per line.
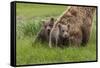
x,y
64,30
47,25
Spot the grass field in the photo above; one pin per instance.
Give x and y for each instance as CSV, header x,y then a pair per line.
x,y
29,17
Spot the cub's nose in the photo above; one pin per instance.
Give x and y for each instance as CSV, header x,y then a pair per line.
x,y
66,36
48,28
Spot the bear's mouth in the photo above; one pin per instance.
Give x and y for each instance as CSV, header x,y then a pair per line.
x,y
65,38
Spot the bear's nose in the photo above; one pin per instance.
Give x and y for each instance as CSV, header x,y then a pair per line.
x,y
66,35
48,28
48,31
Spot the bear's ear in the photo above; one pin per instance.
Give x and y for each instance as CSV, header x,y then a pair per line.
x,y
68,14
43,22
68,26
59,25
52,19
74,12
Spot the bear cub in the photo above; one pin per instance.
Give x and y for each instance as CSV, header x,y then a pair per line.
x,y
45,30
60,35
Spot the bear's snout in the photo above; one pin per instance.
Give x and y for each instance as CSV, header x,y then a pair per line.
x,y
66,35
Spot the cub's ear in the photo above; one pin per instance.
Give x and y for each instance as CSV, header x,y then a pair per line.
x,y
43,22
51,19
59,25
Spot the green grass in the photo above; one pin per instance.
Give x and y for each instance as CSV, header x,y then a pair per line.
x,y
29,17
32,10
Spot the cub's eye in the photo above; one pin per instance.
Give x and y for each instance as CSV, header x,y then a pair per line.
x,y
62,30
67,31
45,26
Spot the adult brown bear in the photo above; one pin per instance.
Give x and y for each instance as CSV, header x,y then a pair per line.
x,y
84,18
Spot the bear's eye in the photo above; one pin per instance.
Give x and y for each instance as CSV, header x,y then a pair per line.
x,y
62,30
66,30
45,26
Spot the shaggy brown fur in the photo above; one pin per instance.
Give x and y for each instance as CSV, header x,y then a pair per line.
x,y
84,17
60,34
80,20
45,30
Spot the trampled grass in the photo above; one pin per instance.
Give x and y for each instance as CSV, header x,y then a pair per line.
x,y
29,19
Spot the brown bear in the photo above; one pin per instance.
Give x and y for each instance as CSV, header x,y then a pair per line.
x,y
80,21
45,30
84,18
74,32
60,35
75,35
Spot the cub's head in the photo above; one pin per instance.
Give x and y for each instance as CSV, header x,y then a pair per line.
x,y
47,25
64,30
